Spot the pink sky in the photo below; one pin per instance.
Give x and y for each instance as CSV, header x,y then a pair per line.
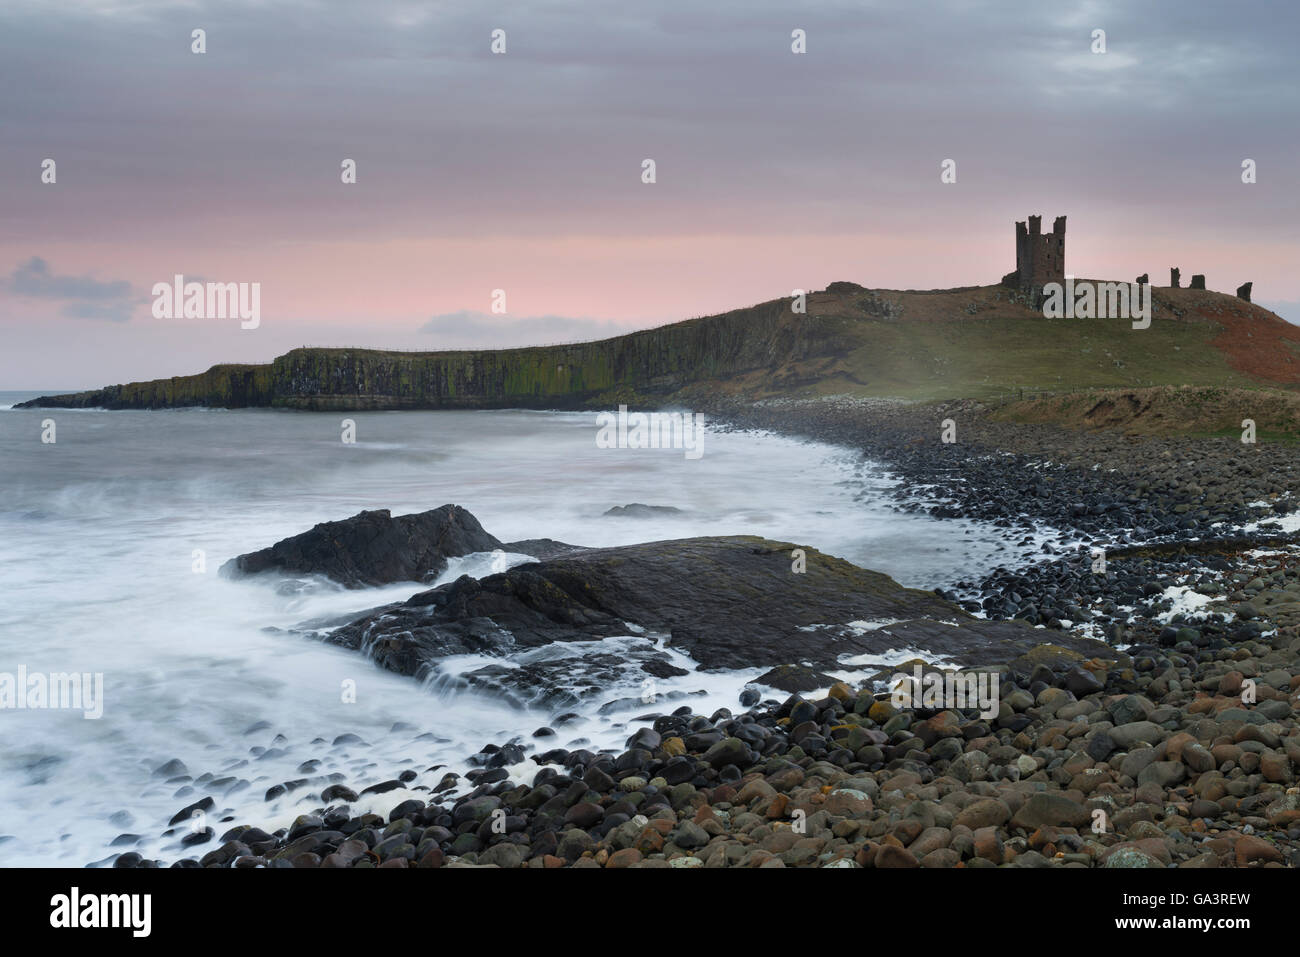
x,y
522,172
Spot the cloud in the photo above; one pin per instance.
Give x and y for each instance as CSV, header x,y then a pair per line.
x,y
34,278
467,329
84,297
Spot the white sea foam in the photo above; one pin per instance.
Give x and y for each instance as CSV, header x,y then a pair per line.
x,y
1186,602
99,535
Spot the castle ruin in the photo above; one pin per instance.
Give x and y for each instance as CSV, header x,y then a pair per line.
x,y
1040,257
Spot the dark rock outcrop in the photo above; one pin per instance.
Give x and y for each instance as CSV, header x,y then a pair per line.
x,y
1174,276
373,548
1243,291
728,602
1198,281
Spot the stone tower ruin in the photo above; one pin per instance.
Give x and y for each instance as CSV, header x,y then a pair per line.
x,y
1040,257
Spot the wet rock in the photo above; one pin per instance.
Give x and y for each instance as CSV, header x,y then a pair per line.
x,y
339,792
594,593
186,813
373,548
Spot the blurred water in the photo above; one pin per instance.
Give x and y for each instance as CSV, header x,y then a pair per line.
x,y
98,533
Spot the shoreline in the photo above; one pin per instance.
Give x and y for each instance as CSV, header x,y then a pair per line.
x,y
1159,741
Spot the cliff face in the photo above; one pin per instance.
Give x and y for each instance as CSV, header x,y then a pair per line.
x,y
224,386
655,362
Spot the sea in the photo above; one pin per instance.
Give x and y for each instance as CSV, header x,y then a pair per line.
x,y
112,534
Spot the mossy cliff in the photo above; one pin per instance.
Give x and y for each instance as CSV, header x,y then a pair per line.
x,y
652,363
228,386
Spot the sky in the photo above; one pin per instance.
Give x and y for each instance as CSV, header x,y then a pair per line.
x,y
522,171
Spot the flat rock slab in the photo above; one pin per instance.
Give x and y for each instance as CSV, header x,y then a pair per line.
x,y
728,602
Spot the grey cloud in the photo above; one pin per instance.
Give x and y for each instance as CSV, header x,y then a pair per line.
x,y
33,278
84,297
